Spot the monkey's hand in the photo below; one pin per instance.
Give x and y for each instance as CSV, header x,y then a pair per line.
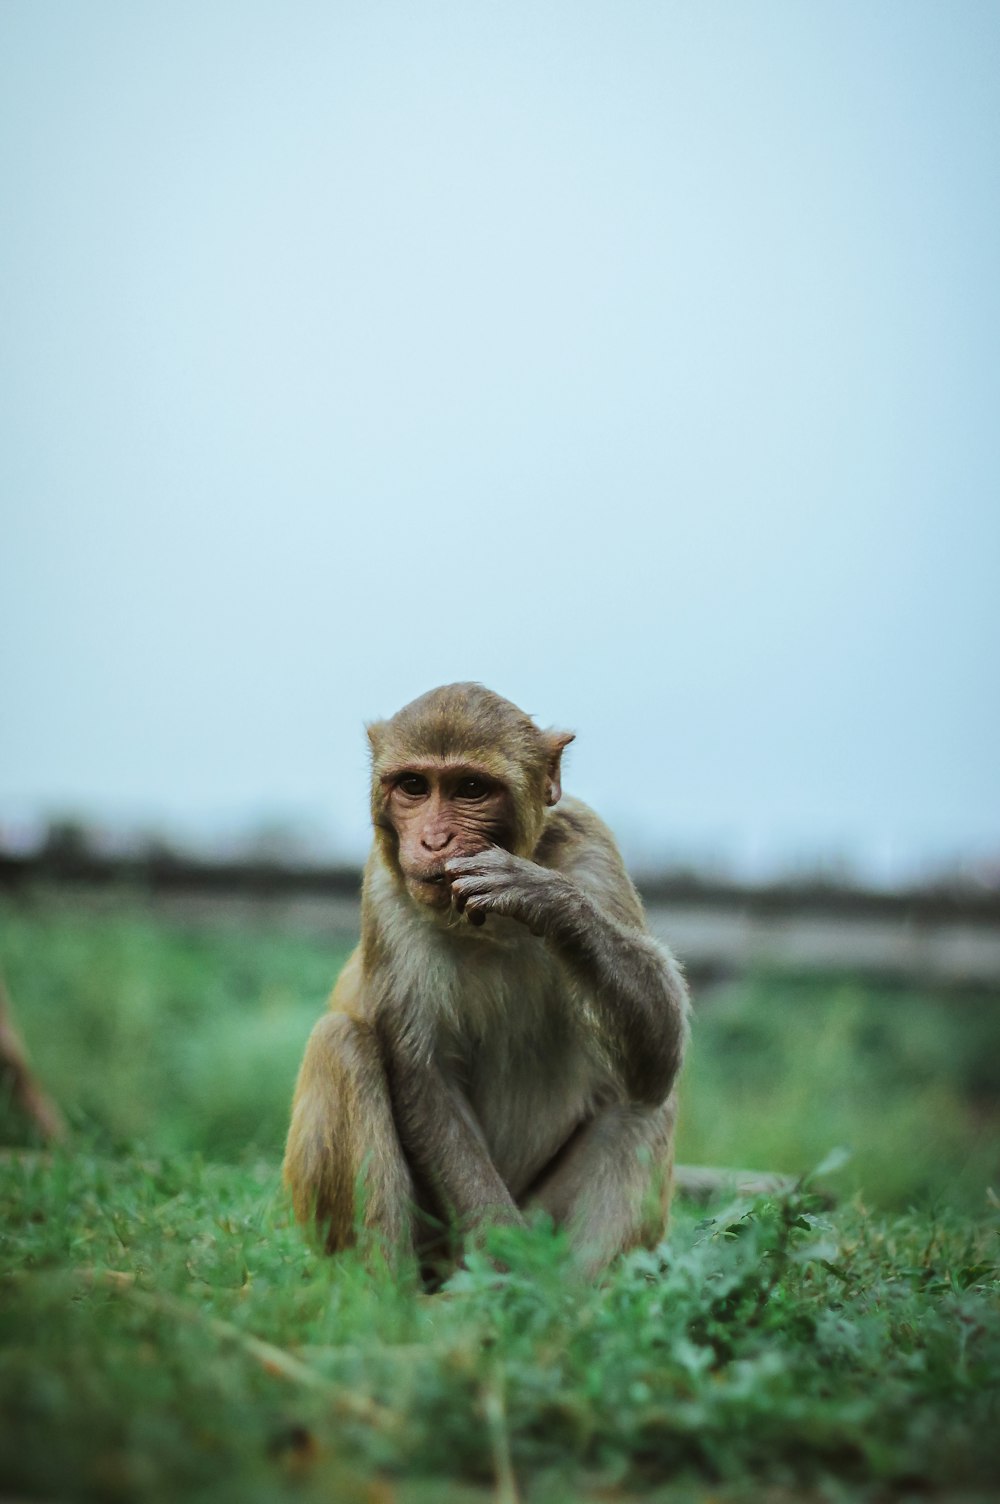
x,y
495,882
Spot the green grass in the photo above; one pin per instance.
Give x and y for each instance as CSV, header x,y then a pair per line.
x,y
166,1333
178,1038
782,1069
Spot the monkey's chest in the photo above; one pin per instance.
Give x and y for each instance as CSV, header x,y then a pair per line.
x,y
513,1030
530,1089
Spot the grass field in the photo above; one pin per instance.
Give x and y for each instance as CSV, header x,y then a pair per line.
x,y
166,1333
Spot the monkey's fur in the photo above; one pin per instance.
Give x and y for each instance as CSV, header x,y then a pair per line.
x,y
507,1036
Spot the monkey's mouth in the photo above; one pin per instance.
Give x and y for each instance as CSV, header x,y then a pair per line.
x,y
431,888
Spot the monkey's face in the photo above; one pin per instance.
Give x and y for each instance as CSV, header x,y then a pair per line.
x,y
453,772
441,811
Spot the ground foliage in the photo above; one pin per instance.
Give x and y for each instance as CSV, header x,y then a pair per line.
x,y
166,1333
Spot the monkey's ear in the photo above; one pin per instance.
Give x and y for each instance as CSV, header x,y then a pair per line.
x,y
557,740
375,730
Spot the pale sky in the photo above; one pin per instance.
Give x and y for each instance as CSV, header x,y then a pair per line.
x,y
637,359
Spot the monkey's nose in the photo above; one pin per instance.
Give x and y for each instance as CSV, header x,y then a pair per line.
x,y
437,840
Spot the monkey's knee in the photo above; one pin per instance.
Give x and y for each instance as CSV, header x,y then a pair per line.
x,y
343,1163
611,1189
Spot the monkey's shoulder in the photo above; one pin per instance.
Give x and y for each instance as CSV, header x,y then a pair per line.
x,y
577,842
572,819
347,996
572,831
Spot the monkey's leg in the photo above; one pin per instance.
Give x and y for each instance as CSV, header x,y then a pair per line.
x,y
610,1184
342,1143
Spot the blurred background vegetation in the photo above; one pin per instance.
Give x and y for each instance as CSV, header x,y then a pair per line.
x,y
169,1035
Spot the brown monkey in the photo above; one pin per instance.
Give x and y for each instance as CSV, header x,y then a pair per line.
x,y
507,1036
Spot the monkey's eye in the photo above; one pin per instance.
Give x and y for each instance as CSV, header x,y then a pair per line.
x,y
472,788
413,784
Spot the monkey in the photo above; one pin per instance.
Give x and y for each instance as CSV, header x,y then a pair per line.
x,y
506,1039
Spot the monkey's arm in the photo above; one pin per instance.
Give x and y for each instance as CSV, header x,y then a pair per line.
x,y
437,1127
636,982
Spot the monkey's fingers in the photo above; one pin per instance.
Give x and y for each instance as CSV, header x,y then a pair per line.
x,y
486,886
479,896
459,900
475,916
492,859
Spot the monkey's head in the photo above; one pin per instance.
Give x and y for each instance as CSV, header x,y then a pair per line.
x,y
454,772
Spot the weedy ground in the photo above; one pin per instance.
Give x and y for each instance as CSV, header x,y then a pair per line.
x,y
166,1333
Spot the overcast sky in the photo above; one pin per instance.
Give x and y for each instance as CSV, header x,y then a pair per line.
x,y
637,359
